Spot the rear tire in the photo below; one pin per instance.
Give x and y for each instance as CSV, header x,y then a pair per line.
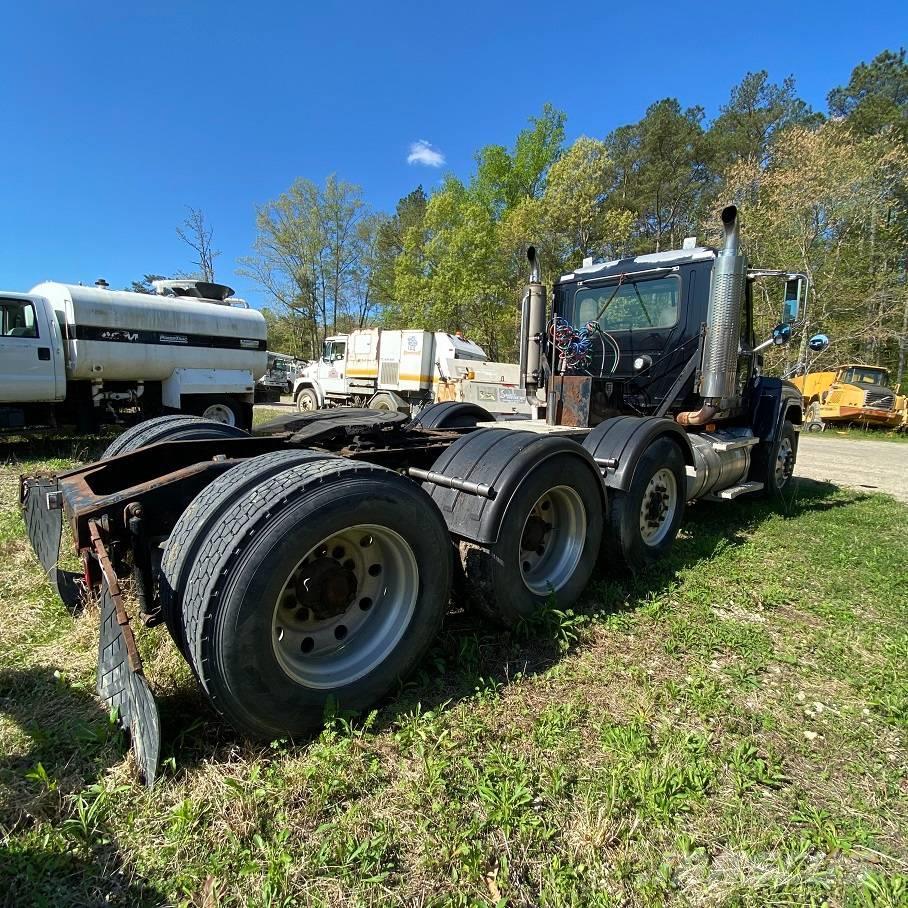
x,y
177,427
450,414
644,519
227,412
312,592
384,401
547,545
201,515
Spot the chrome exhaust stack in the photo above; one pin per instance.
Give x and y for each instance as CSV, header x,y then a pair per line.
x,y
532,327
718,374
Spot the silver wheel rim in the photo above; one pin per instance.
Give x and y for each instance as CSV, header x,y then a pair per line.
x,y
657,510
552,540
220,413
345,606
784,462
305,403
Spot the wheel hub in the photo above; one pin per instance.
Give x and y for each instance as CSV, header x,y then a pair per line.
x,y
552,540
534,533
656,505
326,588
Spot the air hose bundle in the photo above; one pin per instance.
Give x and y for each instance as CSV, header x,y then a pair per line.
x,y
575,345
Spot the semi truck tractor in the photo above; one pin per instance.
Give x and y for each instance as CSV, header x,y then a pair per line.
x,y
390,369
308,566
84,355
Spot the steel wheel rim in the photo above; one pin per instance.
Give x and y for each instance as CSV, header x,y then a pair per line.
x,y
305,403
320,650
552,540
657,510
220,413
784,462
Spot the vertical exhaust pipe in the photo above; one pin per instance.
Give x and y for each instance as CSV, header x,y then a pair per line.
x,y
718,380
532,326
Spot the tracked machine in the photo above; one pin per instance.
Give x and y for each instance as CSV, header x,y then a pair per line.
x,y
310,563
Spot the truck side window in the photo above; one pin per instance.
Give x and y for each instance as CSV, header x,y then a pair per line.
x,y
17,319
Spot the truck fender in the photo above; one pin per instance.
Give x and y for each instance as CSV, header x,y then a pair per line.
x,y
617,445
774,401
499,459
310,383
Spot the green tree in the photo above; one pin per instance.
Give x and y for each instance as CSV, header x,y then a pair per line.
x,y
756,113
661,170
145,285
876,96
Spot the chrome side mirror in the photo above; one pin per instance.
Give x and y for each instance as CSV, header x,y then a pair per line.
x,y
818,343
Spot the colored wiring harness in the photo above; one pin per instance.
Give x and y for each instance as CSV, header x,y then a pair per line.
x,y
575,346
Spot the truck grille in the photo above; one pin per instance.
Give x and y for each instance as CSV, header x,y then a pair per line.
x,y
879,400
389,373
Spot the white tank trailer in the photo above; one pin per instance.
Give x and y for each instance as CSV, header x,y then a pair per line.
x,y
190,347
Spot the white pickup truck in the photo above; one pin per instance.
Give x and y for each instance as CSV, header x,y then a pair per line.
x,y
83,355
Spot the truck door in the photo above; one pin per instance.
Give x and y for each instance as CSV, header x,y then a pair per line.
x,y
27,352
333,367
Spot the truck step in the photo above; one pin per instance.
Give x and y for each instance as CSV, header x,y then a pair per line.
x,y
734,491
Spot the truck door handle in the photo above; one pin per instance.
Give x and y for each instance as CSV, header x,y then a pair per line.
x,y
44,353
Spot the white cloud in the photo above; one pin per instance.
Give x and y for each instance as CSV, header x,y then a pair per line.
x,y
423,152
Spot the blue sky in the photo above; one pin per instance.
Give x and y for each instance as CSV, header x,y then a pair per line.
x,y
118,115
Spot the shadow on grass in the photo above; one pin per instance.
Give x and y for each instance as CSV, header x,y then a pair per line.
x,y
53,783
471,652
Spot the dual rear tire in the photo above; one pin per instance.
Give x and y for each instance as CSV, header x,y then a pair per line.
x,y
298,583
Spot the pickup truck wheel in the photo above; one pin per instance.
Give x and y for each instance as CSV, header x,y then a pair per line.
x,y
644,519
310,592
201,515
306,400
547,545
780,463
177,427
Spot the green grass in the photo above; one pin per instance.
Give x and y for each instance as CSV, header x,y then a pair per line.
x,y
726,730
856,434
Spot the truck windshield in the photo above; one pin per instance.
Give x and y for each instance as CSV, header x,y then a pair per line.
x,y
864,375
631,306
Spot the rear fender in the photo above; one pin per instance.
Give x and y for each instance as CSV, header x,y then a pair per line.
x,y
617,445
500,459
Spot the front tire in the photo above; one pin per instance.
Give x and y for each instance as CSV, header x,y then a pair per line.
x,y
644,519
313,592
306,400
779,467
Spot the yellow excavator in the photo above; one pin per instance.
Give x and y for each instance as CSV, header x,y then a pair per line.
x,y
851,394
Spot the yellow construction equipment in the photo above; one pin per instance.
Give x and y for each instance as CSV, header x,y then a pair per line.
x,y
853,393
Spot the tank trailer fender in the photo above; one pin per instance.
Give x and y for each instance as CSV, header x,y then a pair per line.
x,y
237,382
306,382
617,444
487,467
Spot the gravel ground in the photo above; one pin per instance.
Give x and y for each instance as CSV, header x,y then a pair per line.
x,y
876,466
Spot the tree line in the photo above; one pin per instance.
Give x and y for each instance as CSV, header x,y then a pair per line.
x,y
824,192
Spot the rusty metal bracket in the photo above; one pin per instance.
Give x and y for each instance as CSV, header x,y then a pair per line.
x,y
121,683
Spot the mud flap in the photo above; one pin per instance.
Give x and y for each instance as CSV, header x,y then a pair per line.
x,y
42,524
121,682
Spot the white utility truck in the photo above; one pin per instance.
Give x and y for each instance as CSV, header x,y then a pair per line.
x,y
404,370
82,355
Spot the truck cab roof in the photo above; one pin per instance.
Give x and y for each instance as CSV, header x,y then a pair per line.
x,y
668,259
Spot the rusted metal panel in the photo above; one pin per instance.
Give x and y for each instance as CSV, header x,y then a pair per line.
x,y
572,407
121,683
